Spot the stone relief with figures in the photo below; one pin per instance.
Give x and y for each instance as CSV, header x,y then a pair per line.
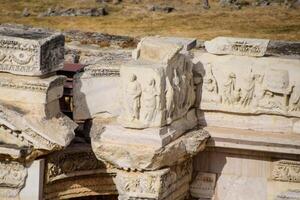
x,y
156,93
251,89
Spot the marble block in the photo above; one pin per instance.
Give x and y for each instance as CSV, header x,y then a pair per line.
x,y
165,184
32,95
12,179
249,87
39,135
30,51
97,90
187,43
157,88
237,46
148,149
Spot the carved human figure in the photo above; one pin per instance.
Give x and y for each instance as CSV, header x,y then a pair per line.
x,y
176,84
269,102
229,87
249,91
183,91
151,100
169,99
294,102
210,86
133,95
190,100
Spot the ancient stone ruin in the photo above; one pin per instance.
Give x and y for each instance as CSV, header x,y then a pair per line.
x,y
172,119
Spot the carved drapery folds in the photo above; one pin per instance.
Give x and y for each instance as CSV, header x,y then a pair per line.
x,y
264,91
158,87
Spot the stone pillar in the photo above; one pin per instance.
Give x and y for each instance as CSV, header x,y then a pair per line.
x,y
151,143
31,123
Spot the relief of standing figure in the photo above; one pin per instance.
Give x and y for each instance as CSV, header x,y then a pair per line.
x,y
249,91
229,89
151,100
169,100
177,89
133,95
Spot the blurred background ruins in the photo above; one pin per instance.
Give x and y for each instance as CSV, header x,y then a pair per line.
x,y
272,19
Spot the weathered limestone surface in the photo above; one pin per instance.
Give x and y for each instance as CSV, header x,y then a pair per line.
x,y
288,143
12,179
248,174
187,43
157,88
40,135
97,90
151,143
266,85
148,149
203,185
237,46
30,51
165,184
31,123
290,194
32,95
75,172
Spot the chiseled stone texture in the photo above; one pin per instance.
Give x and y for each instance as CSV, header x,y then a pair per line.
x,y
237,46
157,87
40,135
170,183
262,86
249,174
30,51
289,195
32,95
148,149
203,185
12,179
76,172
97,90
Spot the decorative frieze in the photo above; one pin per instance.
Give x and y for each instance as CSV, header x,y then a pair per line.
x,y
286,170
30,51
71,162
237,46
12,179
204,185
102,72
169,183
261,86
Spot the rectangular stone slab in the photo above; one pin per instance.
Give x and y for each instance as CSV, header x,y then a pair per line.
x,y
30,51
32,94
237,46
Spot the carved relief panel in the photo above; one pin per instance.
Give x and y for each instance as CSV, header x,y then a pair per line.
x,y
30,51
156,94
251,85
